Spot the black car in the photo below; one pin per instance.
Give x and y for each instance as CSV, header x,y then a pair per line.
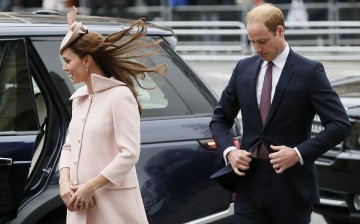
x,y
178,154
339,169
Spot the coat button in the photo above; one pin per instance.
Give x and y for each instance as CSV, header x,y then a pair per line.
x,y
75,162
83,119
78,140
75,183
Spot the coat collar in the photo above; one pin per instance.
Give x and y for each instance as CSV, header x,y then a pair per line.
x,y
99,83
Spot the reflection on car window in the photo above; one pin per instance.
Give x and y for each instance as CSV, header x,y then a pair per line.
x,y
17,111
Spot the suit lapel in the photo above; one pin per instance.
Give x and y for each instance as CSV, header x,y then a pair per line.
x,y
253,99
282,84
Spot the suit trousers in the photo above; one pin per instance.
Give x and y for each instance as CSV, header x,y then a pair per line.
x,y
265,197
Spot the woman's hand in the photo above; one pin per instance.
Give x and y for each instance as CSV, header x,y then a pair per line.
x,y
66,193
82,197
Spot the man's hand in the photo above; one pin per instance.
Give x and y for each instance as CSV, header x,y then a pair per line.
x,y
284,157
239,160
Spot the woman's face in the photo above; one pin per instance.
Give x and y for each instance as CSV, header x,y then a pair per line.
x,y
75,66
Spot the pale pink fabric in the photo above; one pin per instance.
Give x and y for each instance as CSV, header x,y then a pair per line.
x,y
104,137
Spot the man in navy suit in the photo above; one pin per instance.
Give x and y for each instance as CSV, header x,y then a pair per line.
x,y
273,173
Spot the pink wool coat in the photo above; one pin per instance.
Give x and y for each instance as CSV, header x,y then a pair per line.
x,y
104,137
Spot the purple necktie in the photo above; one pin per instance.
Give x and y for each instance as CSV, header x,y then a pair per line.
x,y
265,103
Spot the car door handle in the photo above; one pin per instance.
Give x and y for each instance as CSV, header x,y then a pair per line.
x,y
5,161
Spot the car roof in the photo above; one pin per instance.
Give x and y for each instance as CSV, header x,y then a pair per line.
x,y
55,24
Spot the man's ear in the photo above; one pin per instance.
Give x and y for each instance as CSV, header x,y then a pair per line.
x,y
280,30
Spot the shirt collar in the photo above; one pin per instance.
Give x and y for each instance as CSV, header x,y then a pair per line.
x,y
280,60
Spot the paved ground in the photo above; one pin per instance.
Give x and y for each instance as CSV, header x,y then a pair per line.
x,y
217,74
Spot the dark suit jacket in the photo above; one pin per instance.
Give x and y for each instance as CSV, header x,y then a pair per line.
x,y
303,90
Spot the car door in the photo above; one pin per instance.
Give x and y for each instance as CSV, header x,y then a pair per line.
x,y
18,125
176,163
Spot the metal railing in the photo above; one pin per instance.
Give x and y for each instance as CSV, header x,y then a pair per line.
x,y
324,11
217,40
330,11
205,36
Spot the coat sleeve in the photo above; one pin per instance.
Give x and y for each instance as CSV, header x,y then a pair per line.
x,y
65,158
332,114
126,121
224,114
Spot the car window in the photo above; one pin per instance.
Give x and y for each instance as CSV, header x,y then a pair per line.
x,y
48,50
179,93
186,83
183,91
150,95
17,108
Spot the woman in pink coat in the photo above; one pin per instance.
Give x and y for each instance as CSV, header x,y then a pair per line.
x,y
98,181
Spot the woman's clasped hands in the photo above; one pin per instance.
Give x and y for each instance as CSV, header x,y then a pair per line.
x,y
76,197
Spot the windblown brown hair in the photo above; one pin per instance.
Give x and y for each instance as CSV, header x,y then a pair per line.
x,y
114,54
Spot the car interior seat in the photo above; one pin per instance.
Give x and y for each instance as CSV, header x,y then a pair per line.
x,y
42,117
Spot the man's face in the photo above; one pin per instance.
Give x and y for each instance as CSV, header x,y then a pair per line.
x,y
266,44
